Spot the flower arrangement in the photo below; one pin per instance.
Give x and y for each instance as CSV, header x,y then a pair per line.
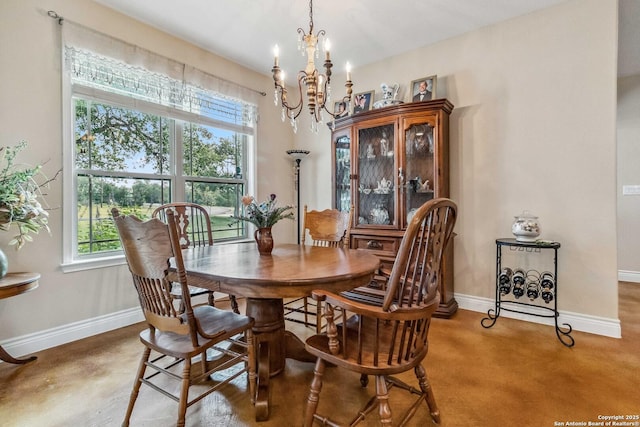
x,y
264,214
19,194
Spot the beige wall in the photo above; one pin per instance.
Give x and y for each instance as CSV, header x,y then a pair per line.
x,y
629,174
30,109
533,128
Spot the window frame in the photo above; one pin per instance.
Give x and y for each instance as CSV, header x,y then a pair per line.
x,y
72,260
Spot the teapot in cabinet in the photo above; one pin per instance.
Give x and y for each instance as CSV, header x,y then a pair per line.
x,y
384,184
379,215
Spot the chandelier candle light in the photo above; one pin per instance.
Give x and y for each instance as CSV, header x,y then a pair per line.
x,y
318,85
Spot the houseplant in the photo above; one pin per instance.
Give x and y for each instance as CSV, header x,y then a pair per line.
x,y
20,196
264,215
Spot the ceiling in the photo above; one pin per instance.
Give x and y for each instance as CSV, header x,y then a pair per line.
x,y
361,32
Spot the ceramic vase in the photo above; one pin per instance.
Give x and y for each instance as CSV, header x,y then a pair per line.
x,y
526,227
264,239
4,264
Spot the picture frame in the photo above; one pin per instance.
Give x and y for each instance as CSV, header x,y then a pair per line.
x,y
363,101
341,109
414,94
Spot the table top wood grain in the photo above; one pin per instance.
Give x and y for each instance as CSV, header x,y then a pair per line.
x,y
290,271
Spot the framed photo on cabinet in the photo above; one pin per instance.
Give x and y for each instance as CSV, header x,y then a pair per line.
x,y
340,109
362,102
423,89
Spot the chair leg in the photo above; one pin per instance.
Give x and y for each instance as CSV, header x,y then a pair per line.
x,y
211,300
204,362
306,311
318,317
184,391
251,364
383,400
136,385
234,304
314,393
421,374
364,380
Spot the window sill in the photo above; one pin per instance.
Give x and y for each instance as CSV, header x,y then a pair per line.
x,y
115,260
90,264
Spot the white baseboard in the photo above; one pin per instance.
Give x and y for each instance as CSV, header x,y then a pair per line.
x,y
38,341
607,327
32,343
629,276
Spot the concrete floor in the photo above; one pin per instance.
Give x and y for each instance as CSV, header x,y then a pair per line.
x,y
514,374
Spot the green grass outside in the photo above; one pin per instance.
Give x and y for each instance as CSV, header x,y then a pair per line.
x,y
105,231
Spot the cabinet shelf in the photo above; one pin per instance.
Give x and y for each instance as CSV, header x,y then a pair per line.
x,y
391,193
376,158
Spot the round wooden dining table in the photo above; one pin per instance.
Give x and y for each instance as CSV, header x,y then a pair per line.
x,y
264,280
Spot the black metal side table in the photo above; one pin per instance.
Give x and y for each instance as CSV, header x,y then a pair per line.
x,y
513,284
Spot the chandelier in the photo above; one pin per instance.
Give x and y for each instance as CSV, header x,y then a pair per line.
x,y
312,84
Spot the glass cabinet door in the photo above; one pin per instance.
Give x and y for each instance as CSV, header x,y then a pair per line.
x,y
420,172
376,176
342,173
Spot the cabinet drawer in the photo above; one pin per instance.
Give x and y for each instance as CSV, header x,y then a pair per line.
x,y
381,245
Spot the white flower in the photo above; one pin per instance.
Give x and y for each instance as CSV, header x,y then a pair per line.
x,y
19,194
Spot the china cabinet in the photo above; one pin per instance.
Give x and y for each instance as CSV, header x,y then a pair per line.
x,y
386,163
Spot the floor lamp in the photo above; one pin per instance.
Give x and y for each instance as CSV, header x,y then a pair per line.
x,y
298,155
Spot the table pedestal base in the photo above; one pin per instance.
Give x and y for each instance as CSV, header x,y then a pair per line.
x,y
273,346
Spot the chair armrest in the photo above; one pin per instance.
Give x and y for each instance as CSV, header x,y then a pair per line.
x,y
371,310
353,306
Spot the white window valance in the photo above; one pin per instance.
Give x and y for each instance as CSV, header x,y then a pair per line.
x,y
99,61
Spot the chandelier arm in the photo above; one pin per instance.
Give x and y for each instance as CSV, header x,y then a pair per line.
x,y
346,99
298,108
325,88
333,115
293,111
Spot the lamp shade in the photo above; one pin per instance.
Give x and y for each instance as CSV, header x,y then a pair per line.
x,y
298,154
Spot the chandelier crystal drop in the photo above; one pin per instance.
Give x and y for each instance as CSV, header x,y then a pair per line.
x,y
312,84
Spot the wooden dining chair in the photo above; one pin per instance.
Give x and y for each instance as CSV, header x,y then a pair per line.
x,y
194,227
180,337
388,336
328,228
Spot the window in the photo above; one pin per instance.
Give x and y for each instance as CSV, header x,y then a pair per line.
x,y
140,140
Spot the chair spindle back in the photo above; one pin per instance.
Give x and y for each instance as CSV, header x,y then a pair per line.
x,y
149,247
329,228
193,221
